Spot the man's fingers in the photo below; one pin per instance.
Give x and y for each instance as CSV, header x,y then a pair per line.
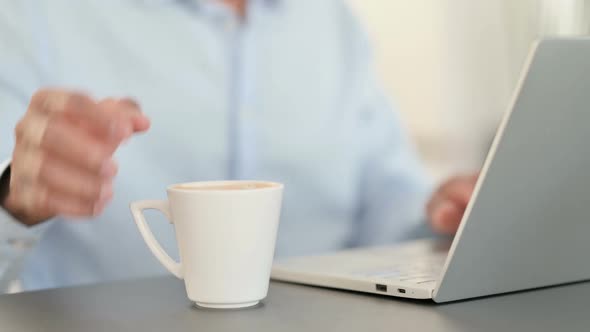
x,y
26,163
31,129
104,125
141,122
445,218
62,177
37,197
447,206
73,206
128,110
459,190
24,192
49,101
80,109
66,141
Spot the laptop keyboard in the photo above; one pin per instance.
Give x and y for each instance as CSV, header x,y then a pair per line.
x,y
423,270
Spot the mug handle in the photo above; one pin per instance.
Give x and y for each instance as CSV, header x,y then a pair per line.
x,y
155,247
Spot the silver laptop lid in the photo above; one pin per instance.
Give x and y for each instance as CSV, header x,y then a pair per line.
x,y
528,224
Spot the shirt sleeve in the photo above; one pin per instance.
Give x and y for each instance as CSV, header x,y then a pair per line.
x,y
394,184
21,74
16,240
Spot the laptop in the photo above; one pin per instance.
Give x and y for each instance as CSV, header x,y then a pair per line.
x,y
528,222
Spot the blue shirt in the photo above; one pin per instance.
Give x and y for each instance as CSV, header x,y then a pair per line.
x,y
287,95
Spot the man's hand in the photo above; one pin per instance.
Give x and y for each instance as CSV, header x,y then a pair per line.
x,y
446,207
62,161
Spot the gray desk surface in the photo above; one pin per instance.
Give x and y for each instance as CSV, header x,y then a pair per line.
x,y
160,304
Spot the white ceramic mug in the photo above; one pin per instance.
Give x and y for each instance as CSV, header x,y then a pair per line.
x,y
226,233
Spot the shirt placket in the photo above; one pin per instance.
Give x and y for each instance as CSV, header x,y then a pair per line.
x,y
241,127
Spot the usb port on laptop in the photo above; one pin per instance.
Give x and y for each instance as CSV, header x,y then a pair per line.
x,y
381,288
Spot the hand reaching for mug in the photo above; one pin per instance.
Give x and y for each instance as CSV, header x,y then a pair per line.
x,y
447,206
62,161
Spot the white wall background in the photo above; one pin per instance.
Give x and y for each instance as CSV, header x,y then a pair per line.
x,y
451,65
